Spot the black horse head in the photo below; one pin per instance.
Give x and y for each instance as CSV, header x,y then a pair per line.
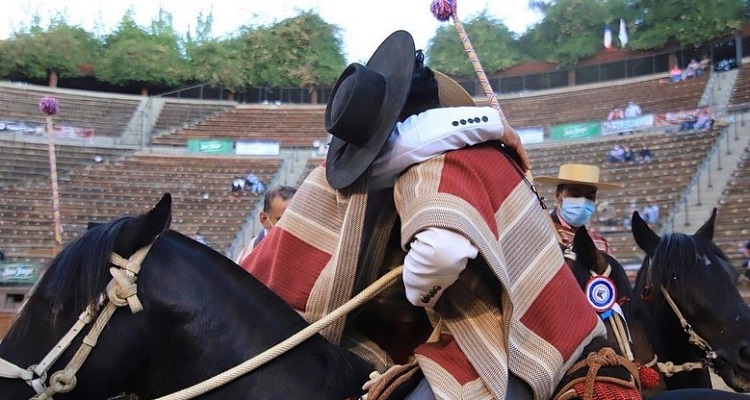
x,y
702,283
202,314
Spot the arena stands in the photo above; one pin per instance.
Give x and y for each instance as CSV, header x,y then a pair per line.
x,y
292,126
178,113
126,182
200,187
740,97
733,220
107,114
24,161
676,159
593,102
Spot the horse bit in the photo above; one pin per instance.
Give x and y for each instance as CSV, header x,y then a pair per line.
x,y
120,291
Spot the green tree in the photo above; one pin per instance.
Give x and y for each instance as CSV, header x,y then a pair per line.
x,y
660,23
570,29
218,63
302,51
60,51
495,43
134,55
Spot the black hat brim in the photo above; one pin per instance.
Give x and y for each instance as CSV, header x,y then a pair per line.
x,y
394,58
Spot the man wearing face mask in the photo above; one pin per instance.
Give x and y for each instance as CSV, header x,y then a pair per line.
x,y
575,201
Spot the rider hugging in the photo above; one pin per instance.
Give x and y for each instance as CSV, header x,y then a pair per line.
x,y
417,175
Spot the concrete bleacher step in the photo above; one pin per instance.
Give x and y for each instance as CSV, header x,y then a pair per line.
x,y
712,179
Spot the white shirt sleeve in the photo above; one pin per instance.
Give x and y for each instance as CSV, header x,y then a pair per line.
x,y
430,134
435,259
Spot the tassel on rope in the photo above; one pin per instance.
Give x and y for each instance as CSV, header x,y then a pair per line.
x,y
443,10
649,377
446,9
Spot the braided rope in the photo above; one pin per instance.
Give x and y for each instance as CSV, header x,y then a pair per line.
x,y
444,10
486,86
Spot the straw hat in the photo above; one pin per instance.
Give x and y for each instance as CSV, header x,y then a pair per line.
x,y
452,94
576,174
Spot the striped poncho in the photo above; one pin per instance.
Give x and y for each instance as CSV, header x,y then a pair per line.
x,y
528,317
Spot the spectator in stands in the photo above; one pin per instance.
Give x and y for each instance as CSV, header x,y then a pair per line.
x,y
2,255
575,201
645,154
704,121
675,74
238,184
693,69
98,159
688,123
628,154
617,154
650,212
633,110
275,202
615,113
627,221
705,63
606,214
255,185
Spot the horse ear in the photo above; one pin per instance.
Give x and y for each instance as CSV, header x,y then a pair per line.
x,y
143,229
707,230
644,237
584,247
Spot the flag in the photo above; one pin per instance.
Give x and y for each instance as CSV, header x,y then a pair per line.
x,y
623,35
607,37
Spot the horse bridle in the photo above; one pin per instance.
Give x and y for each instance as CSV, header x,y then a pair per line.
x,y
120,291
669,368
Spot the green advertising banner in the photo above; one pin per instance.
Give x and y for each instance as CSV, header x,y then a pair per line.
x,y
211,146
575,131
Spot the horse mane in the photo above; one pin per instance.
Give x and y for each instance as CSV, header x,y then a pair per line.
x,y
78,275
680,258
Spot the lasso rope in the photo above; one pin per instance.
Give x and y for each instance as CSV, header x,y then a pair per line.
x,y
225,377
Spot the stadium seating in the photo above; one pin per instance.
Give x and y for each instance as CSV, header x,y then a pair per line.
x,y
593,102
108,114
23,161
740,97
733,220
292,126
178,113
677,157
200,187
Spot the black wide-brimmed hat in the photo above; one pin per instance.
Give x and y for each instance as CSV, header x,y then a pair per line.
x,y
364,107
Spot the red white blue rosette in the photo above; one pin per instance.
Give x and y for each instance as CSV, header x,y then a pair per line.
x,y
601,293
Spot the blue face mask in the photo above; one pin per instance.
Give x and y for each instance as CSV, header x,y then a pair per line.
x,y
577,211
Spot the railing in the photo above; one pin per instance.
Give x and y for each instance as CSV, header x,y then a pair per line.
x,y
683,204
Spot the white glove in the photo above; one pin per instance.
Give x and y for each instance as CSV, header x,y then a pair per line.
x,y
435,259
